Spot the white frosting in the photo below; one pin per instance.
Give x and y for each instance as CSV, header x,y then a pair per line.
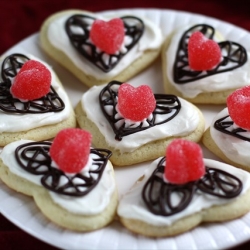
x,y
131,205
219,82
92,203
185,122
151,39
235,149
12,122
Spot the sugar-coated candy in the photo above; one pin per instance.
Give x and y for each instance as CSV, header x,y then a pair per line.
x,y
134,103
184,162
31,82
203,53
238,104
70,149
108,36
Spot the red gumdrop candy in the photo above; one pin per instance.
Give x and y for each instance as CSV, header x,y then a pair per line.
x,y
70,149
108,36
203,53
135,104
184,162
238,104
31,82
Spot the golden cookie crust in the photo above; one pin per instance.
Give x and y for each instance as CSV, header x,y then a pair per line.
x,y
219,213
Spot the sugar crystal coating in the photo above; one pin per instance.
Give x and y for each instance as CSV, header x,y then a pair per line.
x,y
135,104
31,82
108,36
238,104
203,53
184,162
70,149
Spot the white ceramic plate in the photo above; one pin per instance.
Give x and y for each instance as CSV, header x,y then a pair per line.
x,y
22,211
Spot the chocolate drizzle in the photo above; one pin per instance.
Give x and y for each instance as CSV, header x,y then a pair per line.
x,y
233,56
34,158
167,106
134,28
163,198
225,125
48,103
11,65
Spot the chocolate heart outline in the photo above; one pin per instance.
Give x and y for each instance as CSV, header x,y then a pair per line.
x,y
162,204
31,152
223,123
181,59
211,183
165,104
219,179
9,69
96,57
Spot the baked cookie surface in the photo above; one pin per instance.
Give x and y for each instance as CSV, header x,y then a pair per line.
x,y
157,207
72,201
38,119
174,117
211,86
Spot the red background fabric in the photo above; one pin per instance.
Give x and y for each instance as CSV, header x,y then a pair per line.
x,y
19,19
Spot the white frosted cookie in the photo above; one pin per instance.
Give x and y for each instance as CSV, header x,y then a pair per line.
x,y
228,136
65,37
82,200
160,206
187,70
133,142
35,119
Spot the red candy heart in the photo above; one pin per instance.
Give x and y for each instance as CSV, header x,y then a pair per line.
x,y
203,53
32,81
70,149
184,162
238,104
135,104
108,36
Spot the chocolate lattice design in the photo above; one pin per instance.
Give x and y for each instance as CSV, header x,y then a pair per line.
x,y
34,158
233,56
158,194
225,125
167,105
48,103
134,28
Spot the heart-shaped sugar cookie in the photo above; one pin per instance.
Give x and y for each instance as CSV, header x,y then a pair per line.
x,y
166,108
234,56
99,36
